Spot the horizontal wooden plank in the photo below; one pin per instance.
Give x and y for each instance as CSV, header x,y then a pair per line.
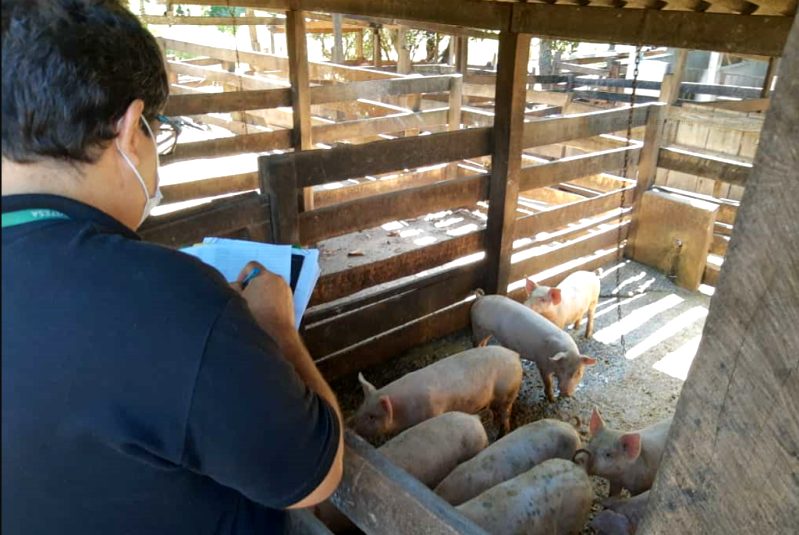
x,y
539,97
376,89
220,217
334,286
369,188
692,163
393,343
573,167
352,216
751,105
226,102
719,244
209,187
394,23
348,329
228,146
181,20
315,168
584,245
697,115
348,130
681,29
243,81
711,275
608,96
550,130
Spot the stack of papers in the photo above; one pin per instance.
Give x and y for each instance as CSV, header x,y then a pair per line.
x,y
299,267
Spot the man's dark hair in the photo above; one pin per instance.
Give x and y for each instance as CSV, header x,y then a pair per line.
x,y
71,68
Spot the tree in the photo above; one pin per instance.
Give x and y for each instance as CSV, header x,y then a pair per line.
x,y
547,47
223,11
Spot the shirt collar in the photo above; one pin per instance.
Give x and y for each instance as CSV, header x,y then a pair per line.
x,y
75,210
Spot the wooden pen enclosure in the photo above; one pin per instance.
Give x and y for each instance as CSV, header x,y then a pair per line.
x,y
349,147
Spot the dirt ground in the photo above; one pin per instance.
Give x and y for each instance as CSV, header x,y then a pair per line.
x,y
633,385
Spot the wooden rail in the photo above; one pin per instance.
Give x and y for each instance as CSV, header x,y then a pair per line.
x,y
692,163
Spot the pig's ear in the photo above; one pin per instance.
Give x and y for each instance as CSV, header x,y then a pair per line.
x,y
554,294
587,361
368,387
557,356
385,403
529,286
597,423
631,444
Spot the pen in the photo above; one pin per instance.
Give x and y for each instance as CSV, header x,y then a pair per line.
x,y
250,277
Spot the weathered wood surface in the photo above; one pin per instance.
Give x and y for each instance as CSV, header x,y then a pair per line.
x,y
731,463
278,183
228,146
299,77
349,130
379,186
692,163
381,498
226,102
573,167
343,283
369,212
375,89
550,130
209,187
350,328
179,20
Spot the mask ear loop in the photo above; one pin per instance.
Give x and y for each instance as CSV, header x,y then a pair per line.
x,y
130,163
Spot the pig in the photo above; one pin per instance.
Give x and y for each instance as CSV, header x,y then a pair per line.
x,y
568,302
428,451
467,382
554,497
509,457
621,516
626,460
535,338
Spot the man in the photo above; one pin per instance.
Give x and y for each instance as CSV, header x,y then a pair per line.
x,y
142,393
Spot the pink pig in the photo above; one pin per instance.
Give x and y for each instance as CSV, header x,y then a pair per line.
x,y
568,302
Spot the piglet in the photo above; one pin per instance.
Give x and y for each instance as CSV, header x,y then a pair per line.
x,y
626,460
428,451
553,498
621,516
535,338
467,382
566,304
509,457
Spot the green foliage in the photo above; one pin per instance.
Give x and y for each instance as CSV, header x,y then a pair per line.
x,y
223,11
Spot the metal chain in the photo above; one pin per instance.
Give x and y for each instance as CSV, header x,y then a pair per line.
x,y
625,169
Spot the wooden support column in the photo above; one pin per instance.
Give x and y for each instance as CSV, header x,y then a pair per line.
x,y
506,158
338,40
256,46
359,46
452,49
377,50
454,114
403,52
731,462
769,81
647,168
300,90
462,60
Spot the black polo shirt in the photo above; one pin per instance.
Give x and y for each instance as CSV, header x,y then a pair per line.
x,y
139,394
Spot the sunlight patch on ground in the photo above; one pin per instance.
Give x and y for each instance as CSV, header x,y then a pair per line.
x,y
634,320
465,229
677,363
614,304
427,240
393,225
673,327
707,290
410,233
448,222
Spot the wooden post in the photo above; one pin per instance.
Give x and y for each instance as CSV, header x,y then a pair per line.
x,y
670,88
731,463
454,115
452,50
272,49
338,40
377,51
256,46
359,47
506,158
647,169
278,182
300,90
403,53
462,61
769,81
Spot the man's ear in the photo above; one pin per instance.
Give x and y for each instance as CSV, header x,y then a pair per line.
x,y
597,423
368,388
129,130
631,444
555,295
529,286
385,403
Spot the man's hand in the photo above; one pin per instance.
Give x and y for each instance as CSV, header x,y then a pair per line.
x,y
270,300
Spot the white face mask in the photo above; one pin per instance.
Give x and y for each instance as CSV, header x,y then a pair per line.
x,y
150,202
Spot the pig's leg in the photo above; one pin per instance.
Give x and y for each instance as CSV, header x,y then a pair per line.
x,y
589,326
549,386
503,409
484,341
578,323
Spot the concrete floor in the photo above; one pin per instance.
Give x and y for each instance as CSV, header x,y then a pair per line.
x,y
633,385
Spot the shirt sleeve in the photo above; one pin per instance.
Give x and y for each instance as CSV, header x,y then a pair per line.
x,y
253,424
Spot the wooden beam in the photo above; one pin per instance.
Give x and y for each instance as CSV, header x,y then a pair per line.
x,y
444,29
199,104
438,291
209,187
180,20
762,35
228,146
348,130
241,80
352,216
670,88
573,167
550,130
278,183
403,52
301,136
462,54
730,463
771,72
506,158
377,49
561,216
338,40
334,286
752,105
378,89
692,163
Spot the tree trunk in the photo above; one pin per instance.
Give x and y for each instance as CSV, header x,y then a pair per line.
x,y
545,56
